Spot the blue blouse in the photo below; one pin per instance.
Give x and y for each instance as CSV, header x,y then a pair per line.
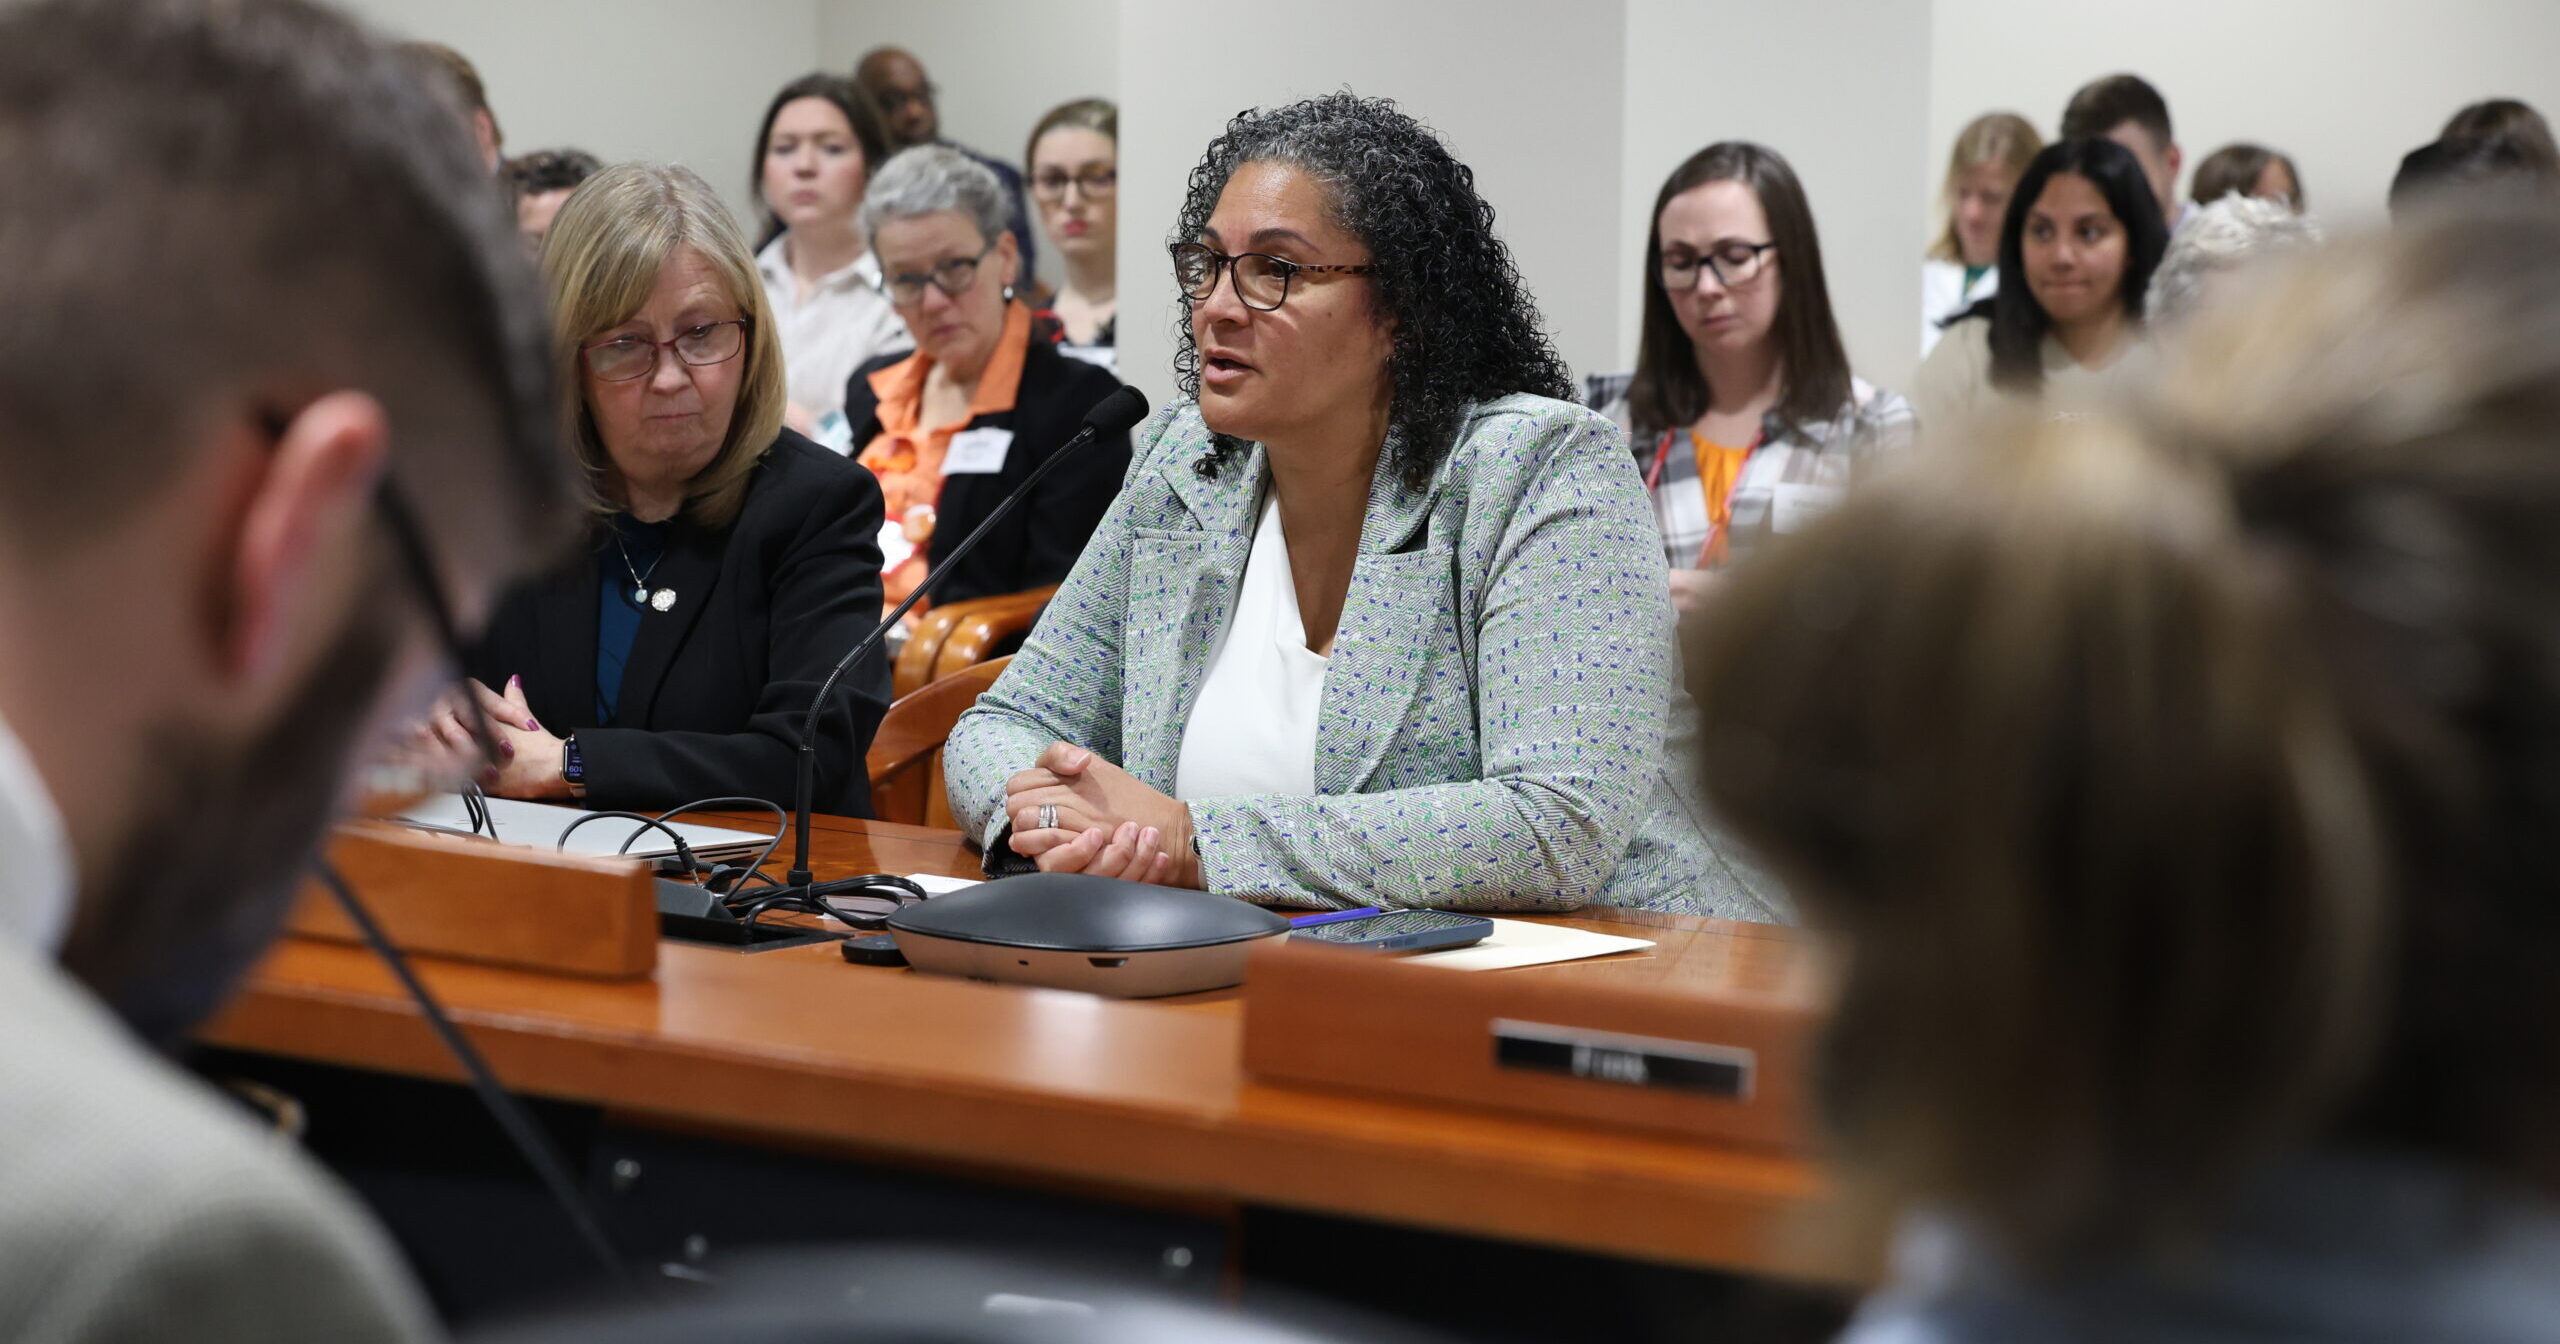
x,y
632,546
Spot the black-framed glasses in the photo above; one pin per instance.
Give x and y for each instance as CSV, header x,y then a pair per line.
x,y
1094,180
627,357
891,102
954,278
1734,262
1262,280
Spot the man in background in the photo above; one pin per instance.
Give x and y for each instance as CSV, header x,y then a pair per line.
x,y
898,86
541,182
2127,110
231,457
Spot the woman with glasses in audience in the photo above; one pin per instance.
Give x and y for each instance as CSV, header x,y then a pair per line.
x,y
1379,617
2174,795
1742,412
2077,249
1963,267
1074,158
951,429
815,154
729,561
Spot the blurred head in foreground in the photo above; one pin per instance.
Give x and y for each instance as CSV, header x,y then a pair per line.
x,y
2180,790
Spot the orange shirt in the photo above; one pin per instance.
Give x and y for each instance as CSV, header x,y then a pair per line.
x,y
907,456
1719,467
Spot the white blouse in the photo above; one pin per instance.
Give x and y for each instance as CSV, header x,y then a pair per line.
x,y
846,322
1253,730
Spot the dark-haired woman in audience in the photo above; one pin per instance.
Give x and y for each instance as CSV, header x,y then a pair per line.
x,y
2245,169
951,429
1074,159
1379,617
2077,249
730,563
1742,412
815,154
2174,793
1963,267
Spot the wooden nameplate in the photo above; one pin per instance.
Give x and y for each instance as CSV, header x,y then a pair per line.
x,y
1726,1064
476,900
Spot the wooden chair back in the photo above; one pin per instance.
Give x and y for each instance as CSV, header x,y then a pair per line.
x,y
905,761
962,634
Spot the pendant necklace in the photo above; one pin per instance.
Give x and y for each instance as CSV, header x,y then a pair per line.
x,y
663,599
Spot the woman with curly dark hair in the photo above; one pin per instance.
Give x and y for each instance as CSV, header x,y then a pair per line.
x,y
1378,617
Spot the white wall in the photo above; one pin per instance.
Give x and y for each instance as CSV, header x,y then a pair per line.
x,y
1525,91
2345,86
1830,84
1000,64
673,80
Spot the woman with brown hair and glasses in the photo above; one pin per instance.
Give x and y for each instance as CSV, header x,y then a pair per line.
x,y
729,562
1074,157
1742,412
951,429
2177,798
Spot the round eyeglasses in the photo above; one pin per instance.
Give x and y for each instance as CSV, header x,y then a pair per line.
x,y
627,357
1262,280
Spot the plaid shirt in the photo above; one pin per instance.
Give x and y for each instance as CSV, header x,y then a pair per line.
x,y
1794,473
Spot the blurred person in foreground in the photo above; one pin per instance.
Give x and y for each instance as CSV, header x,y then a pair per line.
x,y
253,473
2178,794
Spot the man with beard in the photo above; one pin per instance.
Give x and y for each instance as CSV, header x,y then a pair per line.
x,y
267,358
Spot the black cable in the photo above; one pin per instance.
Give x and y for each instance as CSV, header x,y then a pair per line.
x,y
781,823
520,1129
683,850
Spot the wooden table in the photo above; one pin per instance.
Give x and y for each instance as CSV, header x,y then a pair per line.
x,y
796,1047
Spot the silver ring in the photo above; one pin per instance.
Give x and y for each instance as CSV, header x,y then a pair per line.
x,y
1048,816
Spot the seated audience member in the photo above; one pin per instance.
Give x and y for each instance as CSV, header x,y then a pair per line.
x,y
2515,120
188,404
1742,412
1074,157
1963,267
952,429
820,144
2177,798
727,561
452,73
898,86
2224,236
1378,617
2250,170
2079,245
2127,110
540,182
2489,164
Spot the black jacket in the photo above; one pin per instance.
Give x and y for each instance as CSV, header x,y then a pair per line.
x,y
1038,543
713,695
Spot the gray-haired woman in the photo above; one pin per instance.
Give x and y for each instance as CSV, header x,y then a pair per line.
x,y
951,429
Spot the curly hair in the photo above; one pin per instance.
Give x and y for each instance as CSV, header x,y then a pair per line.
x,y
1466,330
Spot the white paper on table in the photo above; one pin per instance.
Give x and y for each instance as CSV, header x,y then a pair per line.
x,y
1518,942
941,886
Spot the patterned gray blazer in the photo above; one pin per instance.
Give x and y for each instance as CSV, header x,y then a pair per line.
x,y
1501,726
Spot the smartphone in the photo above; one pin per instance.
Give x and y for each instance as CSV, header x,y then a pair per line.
x,y
1400,931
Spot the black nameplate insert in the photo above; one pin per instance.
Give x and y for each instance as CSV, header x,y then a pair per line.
x,y
1613,1057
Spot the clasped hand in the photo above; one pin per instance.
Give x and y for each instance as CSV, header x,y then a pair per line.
x,y
528,759
1106,822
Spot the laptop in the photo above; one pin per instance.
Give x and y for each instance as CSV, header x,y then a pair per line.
x,y
539,825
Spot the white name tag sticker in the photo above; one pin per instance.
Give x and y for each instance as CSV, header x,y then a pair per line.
x,y
1793,505
977,452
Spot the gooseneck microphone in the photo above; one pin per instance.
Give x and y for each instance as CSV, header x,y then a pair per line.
x,y
1115,414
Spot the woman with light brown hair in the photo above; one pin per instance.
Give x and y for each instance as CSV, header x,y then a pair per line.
x,y
2178,794
728,563
2244,169
1963,268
